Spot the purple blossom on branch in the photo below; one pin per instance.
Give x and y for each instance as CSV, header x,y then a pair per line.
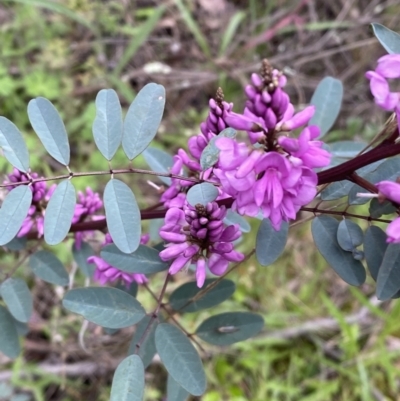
x,y
214,124
388,68
276,179
87,205
197,235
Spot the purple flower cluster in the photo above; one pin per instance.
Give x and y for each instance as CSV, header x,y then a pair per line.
x,y
40,197
197,235
214,124
391,191
388,68
277,178
87,205
106,273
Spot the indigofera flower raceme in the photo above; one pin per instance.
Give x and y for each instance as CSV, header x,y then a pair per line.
x,y
274,179
214,124
197,235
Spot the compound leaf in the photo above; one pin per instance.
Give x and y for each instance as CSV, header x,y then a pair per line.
x,y
81,255
13,145
9,343
324,230
122,215
59,213
229,328
18,298
143,119
49,268
180,358
327,100
50,128
159,161
270,243
180,298
175,392
147,348
107,307
13,212
389,39
144,260
107,125
388,280
374,249
128,381
349,235
202,194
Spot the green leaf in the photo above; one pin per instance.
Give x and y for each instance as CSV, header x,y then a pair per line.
x,y
50,128
132,289
349,235
324,230
49,268
175,392
159,161
374,248
202,193
270,243
122,215
59,213
210,153
336,190
147,348
229,328
17,244
389,39
107,307
377,208
18,298
180,358
235,218
388,280
143,119
327,100
9,344
128,380
346,149
13,145
107,126
80,257
218,294
13,211
144,260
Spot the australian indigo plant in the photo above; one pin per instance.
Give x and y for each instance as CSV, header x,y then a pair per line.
x,y
276,167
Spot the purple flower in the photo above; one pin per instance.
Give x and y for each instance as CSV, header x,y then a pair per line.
x,y
297,120
388,68
309,152
215,122
393,231
88,204
106,273
197,235
390,190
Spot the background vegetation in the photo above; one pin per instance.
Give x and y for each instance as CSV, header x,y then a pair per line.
x,y
323,340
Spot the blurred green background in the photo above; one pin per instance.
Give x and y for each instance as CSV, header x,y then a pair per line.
x,y
323,340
